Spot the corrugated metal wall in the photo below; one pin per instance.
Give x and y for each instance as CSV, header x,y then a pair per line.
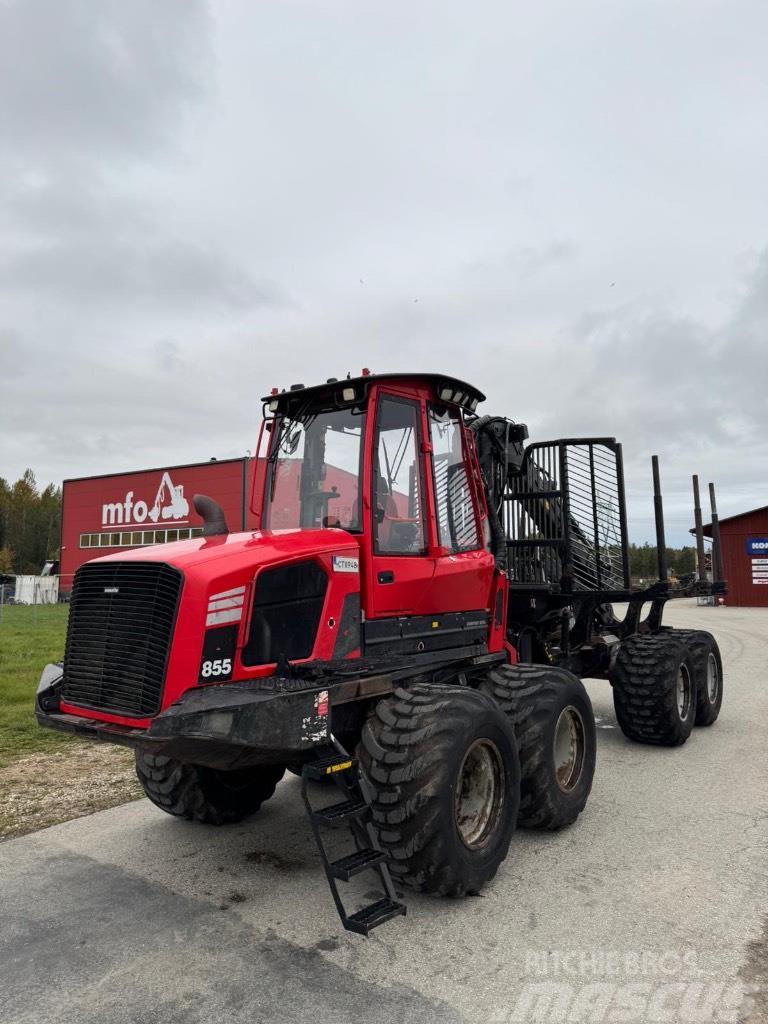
x,y
742,571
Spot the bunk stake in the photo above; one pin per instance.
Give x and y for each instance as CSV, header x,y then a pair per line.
x,y
718,572
700,556
658,510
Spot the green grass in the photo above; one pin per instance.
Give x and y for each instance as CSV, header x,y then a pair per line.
x,y
29,639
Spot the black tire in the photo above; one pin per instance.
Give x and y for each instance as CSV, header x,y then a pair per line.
x,y
707,671
537,699
645,680
421,749
208,795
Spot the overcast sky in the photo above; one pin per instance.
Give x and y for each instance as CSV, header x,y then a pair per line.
x,y
565,204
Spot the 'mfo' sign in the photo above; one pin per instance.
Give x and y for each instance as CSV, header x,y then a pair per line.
x,y
170,503
757,545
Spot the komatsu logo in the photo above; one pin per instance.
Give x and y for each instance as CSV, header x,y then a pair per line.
x,y
757,545
170,503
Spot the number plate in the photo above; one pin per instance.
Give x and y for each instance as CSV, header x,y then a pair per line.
x,y
218,654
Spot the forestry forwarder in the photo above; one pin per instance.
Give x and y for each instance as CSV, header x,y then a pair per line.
x,y
412,619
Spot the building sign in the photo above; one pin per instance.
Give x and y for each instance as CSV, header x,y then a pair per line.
x,y
757,546
107,514
760,572
169,504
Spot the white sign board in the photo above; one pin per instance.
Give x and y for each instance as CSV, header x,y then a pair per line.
x,y
37,590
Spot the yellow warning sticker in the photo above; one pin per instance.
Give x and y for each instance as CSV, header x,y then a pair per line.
x,y
338,767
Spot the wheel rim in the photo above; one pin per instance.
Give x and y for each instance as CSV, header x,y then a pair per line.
x,y
568,748
713,678
683,692
479,793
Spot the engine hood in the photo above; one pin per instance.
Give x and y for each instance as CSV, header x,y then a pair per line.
x,y
211,624
233,551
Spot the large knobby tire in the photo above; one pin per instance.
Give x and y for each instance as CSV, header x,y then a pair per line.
x,y
654,690
707,671
443,763
208,795
553,720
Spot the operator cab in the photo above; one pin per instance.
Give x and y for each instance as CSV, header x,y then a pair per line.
x,y
314,448
386,458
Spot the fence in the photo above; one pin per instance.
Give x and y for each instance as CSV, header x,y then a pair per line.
x,y
28,595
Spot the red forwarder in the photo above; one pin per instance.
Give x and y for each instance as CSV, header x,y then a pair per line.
x,y
411,617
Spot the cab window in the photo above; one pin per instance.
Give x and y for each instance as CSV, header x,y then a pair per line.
x,y
456,522
398,505
313,471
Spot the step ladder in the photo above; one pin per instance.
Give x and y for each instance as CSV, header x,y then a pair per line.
x,y
352,812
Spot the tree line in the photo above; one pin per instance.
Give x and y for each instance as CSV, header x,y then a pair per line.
x,y
30,524
642,561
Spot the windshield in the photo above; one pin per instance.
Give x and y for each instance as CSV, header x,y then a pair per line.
x,y
313,478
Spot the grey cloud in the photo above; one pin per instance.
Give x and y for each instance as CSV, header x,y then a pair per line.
x,y
137,272
84,90
10,356
191,193
168,355
106,78
530,260
527,262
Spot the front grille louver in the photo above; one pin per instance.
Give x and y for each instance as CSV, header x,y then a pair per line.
x,y
121,621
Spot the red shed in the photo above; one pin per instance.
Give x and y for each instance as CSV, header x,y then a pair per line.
x,y
102,514
744,541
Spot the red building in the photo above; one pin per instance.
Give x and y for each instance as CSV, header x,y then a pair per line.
x,y
744,540
103,514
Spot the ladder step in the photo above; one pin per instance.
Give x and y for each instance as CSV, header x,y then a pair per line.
x,y
341,813
329,765
354,863
373,915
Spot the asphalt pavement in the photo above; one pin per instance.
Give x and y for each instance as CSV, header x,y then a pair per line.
x,y
653,906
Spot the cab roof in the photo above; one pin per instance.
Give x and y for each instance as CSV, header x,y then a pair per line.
x,y
448,389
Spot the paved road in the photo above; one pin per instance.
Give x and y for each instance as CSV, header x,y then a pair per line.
x,y
650,907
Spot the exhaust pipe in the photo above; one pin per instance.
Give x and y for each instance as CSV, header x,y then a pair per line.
x,y
212,514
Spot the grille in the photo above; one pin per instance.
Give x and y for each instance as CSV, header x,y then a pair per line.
x,y
121,620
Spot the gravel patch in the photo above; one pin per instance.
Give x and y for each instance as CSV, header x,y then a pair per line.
x,y
48,788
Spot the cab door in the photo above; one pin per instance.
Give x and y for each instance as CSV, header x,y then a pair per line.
x,y
400,567
427,557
